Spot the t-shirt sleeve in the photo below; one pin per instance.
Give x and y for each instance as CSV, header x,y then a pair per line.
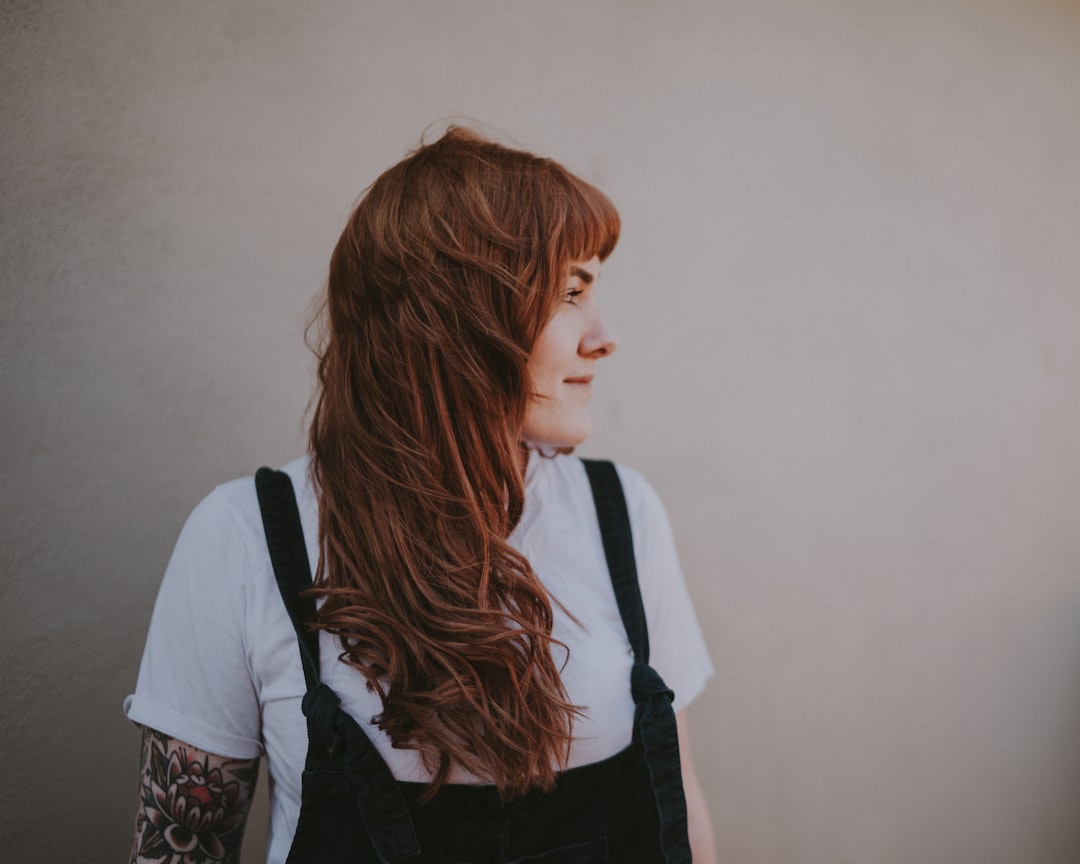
x,y
677,648
195,681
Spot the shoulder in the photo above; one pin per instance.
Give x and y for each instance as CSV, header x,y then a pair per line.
x,y
565,475
223,538
568,471
643,503
558,493
641,497
234,506
678,650
220,642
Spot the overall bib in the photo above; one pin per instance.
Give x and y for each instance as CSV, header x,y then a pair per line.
x,y
627,809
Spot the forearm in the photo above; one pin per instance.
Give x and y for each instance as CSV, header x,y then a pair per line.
x,y
702,839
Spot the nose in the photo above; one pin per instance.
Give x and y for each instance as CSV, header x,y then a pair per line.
x,y
600,340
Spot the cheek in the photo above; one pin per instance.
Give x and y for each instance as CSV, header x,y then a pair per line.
x,y
556,347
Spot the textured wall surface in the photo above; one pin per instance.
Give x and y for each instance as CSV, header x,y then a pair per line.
x,y
849,304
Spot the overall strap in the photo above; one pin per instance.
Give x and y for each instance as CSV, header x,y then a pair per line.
x,y
337,746
618,540
654,718
288,554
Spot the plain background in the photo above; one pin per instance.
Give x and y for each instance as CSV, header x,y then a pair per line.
x,y
849,304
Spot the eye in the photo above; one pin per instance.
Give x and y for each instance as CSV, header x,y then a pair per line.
x,y
571,294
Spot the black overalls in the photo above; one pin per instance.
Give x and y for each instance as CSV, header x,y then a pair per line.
x,y
624,810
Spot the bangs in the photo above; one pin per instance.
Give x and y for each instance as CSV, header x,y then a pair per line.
x,y
589,224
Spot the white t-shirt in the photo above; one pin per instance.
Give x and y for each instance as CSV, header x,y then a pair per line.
x,y
221,669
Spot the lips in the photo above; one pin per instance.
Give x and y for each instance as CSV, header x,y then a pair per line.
x,y
580,379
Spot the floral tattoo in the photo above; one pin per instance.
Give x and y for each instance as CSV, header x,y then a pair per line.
x,y
192,805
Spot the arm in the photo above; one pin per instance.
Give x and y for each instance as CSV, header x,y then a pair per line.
x,y
702,842
190,801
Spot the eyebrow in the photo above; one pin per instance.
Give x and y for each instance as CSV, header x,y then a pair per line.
x,y
582,274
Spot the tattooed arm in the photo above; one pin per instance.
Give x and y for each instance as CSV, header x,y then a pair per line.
x,y
192,804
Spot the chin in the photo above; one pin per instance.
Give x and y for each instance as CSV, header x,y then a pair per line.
x,y
556,436
556,443
571,441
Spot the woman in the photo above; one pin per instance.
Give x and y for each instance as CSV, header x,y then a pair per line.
x,y
469,679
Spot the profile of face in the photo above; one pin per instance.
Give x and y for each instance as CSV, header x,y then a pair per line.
x,y
562,363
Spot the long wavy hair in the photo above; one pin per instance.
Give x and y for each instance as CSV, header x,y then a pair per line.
x,y
446,273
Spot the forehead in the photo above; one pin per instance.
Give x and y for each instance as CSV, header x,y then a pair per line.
x,y
586,270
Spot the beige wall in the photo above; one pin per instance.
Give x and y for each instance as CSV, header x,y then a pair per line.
x,y
849,304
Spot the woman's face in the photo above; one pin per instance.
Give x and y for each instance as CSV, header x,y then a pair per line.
x,y
562,363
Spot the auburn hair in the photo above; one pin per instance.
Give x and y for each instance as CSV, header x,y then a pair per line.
x,y
446,273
